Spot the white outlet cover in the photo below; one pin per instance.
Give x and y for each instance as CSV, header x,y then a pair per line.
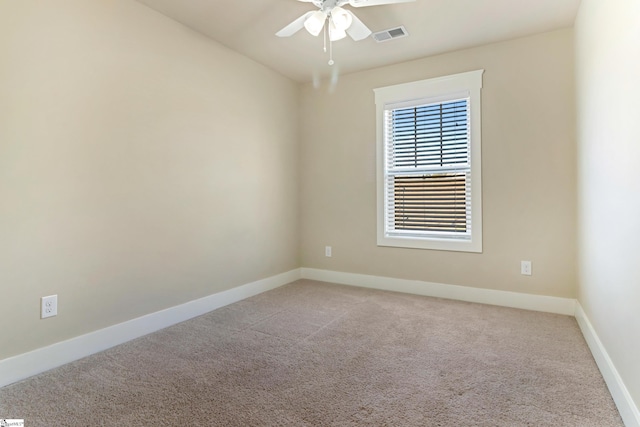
x,y
49,306
525,268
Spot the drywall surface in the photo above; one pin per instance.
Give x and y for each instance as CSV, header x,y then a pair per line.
x,y
608,107
142,166
528,170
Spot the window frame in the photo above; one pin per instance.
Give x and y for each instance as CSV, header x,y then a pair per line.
x,y
435,90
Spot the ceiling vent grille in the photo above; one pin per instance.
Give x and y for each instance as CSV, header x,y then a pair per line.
x,y
390,34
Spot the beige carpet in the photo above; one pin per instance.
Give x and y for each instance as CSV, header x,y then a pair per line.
x,y
316,354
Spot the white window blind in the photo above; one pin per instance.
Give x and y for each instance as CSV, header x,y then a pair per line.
x,y
428,179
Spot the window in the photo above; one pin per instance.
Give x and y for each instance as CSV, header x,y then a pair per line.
x,y
429,160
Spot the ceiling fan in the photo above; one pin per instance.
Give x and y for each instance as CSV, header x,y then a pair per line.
x,y
341,21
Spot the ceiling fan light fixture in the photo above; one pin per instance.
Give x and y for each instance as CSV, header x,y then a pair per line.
x,y
341,19
315,23
336,33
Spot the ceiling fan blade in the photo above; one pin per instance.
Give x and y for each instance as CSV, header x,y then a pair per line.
x,y
357,30
363,3
295,26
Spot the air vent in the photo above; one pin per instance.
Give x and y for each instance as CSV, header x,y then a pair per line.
x,y
393,33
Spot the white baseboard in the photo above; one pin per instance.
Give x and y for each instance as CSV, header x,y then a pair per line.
x,y
34,362
621,396
28,364
463,293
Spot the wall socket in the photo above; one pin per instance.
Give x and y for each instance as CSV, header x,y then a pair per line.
x,y
327,251
525,268
48,306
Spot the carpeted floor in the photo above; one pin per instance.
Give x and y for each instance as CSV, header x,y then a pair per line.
x,y
317,354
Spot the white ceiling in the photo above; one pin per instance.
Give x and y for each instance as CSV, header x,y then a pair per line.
x,y
434,26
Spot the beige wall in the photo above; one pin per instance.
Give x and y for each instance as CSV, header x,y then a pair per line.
x,y
529,171
608,89
141,166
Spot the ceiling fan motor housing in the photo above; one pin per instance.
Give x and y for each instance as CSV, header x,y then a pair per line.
x,y
327,5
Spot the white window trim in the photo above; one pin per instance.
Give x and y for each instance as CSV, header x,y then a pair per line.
x,y
434,89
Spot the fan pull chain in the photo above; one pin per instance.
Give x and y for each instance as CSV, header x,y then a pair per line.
x,y
331,52
326,29
325,38
330,44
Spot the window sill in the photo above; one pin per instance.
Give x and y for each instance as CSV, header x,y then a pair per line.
x,y
474,245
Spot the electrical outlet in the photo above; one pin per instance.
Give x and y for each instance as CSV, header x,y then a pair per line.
x,y
49,306
327,251
525,268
